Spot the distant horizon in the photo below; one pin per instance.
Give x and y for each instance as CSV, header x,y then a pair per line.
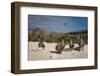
x,y
62,24
59,32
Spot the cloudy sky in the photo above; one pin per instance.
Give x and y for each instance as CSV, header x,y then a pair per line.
x,y
58,23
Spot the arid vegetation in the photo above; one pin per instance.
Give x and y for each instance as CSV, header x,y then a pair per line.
x,y
49,37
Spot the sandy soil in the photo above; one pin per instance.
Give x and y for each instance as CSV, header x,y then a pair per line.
x,y
36,53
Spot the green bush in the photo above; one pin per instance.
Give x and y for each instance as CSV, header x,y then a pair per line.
x,y
37,34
